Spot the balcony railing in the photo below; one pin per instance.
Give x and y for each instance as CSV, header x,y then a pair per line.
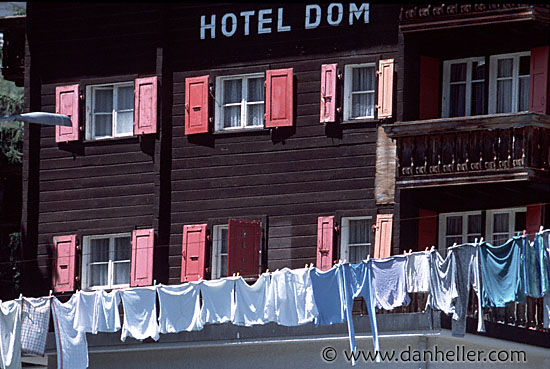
x,y
513,145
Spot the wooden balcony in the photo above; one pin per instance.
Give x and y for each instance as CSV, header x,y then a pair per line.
x,y
478,149
426,17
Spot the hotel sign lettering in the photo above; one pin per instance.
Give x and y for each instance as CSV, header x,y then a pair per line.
x,y
266,21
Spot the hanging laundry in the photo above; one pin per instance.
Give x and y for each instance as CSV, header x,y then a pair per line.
x,y
250,301
179,308
290,299
418,272
10,334
501,273
442,286
466,272
531,267
542,245
72,347
329,295
86,308
357,280
140,313
35,320
218,300
389,282
107,318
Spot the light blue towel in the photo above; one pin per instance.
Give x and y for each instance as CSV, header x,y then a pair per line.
x,y
179,308
328,295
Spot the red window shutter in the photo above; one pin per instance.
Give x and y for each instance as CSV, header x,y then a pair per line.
x,y
538,83
63,273
193,252
66,102
196,105
141,273
145,106
385,88
534,218
429,88
382,239
243,247
325,242
328,93
279,98
427,228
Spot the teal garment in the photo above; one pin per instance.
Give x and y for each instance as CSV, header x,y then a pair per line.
x,y
502,273
543,243
531,260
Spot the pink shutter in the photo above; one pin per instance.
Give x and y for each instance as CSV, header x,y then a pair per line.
x,y
66,102
385,88
429,88
145,106
63,274
243,247
427,228
328,93
279,98
382,239
193,252
534,218
325,242
141,273
538,83
196,105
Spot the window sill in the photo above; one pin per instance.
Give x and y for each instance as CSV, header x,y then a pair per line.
x,y
240,131
112,139
360,120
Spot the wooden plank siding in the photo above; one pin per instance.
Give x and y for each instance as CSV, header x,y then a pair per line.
x,y
170,180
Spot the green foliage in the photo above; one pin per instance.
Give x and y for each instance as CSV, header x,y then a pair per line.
x,y
9,271
11,137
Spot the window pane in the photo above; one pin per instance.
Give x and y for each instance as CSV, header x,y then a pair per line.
x,y
223,241
255,115
232,91
223,266
523,94
98,274
256,89
478,70
123,248
99,250
363,79
357,253
358,231
501,222
474,224
449,241
505,67
125,122
232,116
478,98
121,273
457,100
504,96
524,65
362,105
499,239
472,238
458,72
125,98
103,125
103,101
454,225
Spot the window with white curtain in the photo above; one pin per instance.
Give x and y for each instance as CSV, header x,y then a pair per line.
x,y
240,101
459,228
355,242
359,91
463,87
509,86
110,111
505,223
219,251
106,261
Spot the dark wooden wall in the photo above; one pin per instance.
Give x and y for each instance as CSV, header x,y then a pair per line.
x,y
290,177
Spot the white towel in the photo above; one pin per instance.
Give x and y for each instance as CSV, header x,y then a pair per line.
x,y
180,308
108,316
250,301
10,334
418,272
72,347
86,308
218,300
140,313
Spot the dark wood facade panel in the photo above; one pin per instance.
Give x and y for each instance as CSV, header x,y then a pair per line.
x,y
97,182
61,205
101,221
98,170
97,192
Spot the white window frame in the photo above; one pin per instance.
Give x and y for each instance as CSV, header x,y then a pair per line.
x,y
90,116
244,102
216,249
511,220
443,226
348,84
515,80
446,91
344,238
86,250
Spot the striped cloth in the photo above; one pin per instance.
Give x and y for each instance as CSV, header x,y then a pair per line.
x,y
34,327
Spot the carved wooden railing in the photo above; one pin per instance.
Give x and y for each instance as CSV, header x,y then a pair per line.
x,y
483,144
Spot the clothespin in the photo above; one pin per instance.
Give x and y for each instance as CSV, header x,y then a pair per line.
x,y
311,265
344,261
305,266
481,240
524,232
50,295
410,251
267,270
433,248
404,252
368,257
541,228
154,282
454,244
237,274
426,248
233,274
475,241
